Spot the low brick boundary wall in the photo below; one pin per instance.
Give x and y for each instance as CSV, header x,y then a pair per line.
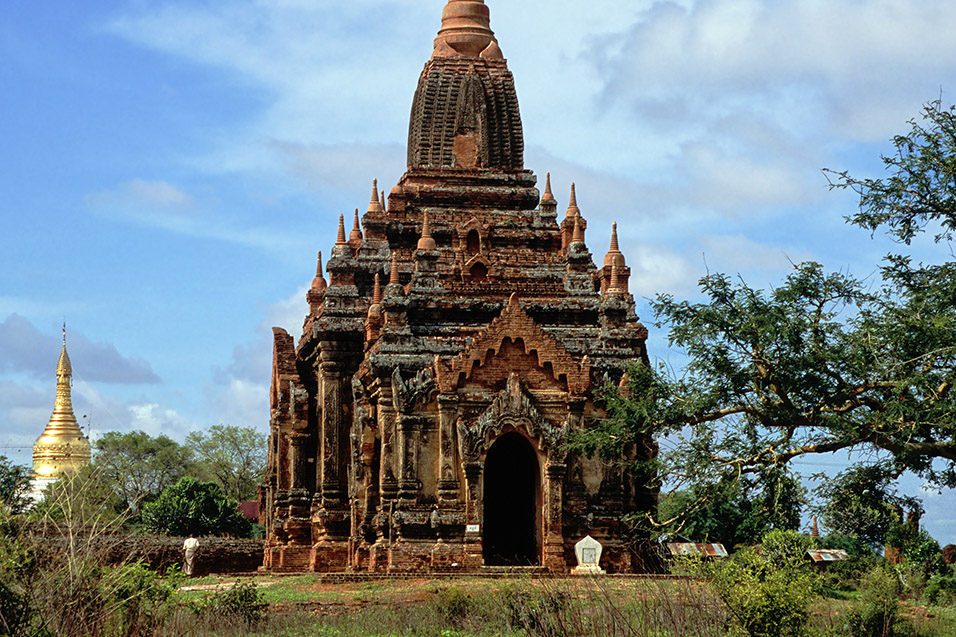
x,y
159,552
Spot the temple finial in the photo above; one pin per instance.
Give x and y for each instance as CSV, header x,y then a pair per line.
x,y
318,283
427,243
548,196
393,275
466,31
374,204
356,234
578,229
375,310
340,240
614,257
573,210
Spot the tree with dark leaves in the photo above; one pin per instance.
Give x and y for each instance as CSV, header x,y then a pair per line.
x,y
822,363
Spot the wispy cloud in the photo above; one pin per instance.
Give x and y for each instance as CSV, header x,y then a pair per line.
x,y
846,66
24,349
159,204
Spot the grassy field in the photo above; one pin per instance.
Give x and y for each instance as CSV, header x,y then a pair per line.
x,y
303,605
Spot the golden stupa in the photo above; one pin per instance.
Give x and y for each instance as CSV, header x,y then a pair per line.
x,y
61,449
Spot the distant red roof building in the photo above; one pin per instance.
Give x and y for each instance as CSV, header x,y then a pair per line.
x,y
249,510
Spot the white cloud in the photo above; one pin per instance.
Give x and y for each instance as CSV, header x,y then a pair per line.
x,y
155,420
739,254
288,313
855,66
655,269
343,172
24,349
140,194
242,403
158,204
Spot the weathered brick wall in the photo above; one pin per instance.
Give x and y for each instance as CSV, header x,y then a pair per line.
x,y
216,554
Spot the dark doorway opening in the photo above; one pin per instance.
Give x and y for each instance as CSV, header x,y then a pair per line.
x,y
512,503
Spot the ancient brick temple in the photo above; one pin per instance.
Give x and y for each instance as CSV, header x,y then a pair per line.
x,y
420,422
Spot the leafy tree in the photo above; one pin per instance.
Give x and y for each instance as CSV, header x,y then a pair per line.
x,y
823,362
921,189
736,512
14,486
138,465
87,495
232,457
200,508
861,503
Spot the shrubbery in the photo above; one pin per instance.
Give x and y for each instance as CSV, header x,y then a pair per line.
x,y
193,507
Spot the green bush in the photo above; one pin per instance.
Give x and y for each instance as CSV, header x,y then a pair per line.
x,y
193,507
454,604
242,603
878,612
767,600
786,549
940,591
140,595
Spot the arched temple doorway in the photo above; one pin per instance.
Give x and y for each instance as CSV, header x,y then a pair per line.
x,y
512,503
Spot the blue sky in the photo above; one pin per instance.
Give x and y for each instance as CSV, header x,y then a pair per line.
x,y
171,167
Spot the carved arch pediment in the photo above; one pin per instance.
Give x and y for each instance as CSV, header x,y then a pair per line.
x,y
514,323
513,408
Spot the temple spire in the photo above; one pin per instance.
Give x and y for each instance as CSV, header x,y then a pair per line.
x,y
614,257
427,242
340,240
356,234
375,309
578,229
573,210
377,293
318,283
375,205
61,449
466,31
393,274
548,196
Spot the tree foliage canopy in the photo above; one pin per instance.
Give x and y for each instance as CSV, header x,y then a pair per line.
x,y
138,465
14,485
823,362
191,506
232,457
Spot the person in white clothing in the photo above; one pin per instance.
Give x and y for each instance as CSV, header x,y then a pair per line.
x,y
190,548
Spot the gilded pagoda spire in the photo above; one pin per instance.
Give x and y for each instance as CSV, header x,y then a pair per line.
x,y
62,448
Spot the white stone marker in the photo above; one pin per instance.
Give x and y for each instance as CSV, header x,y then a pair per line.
x,y
588,551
